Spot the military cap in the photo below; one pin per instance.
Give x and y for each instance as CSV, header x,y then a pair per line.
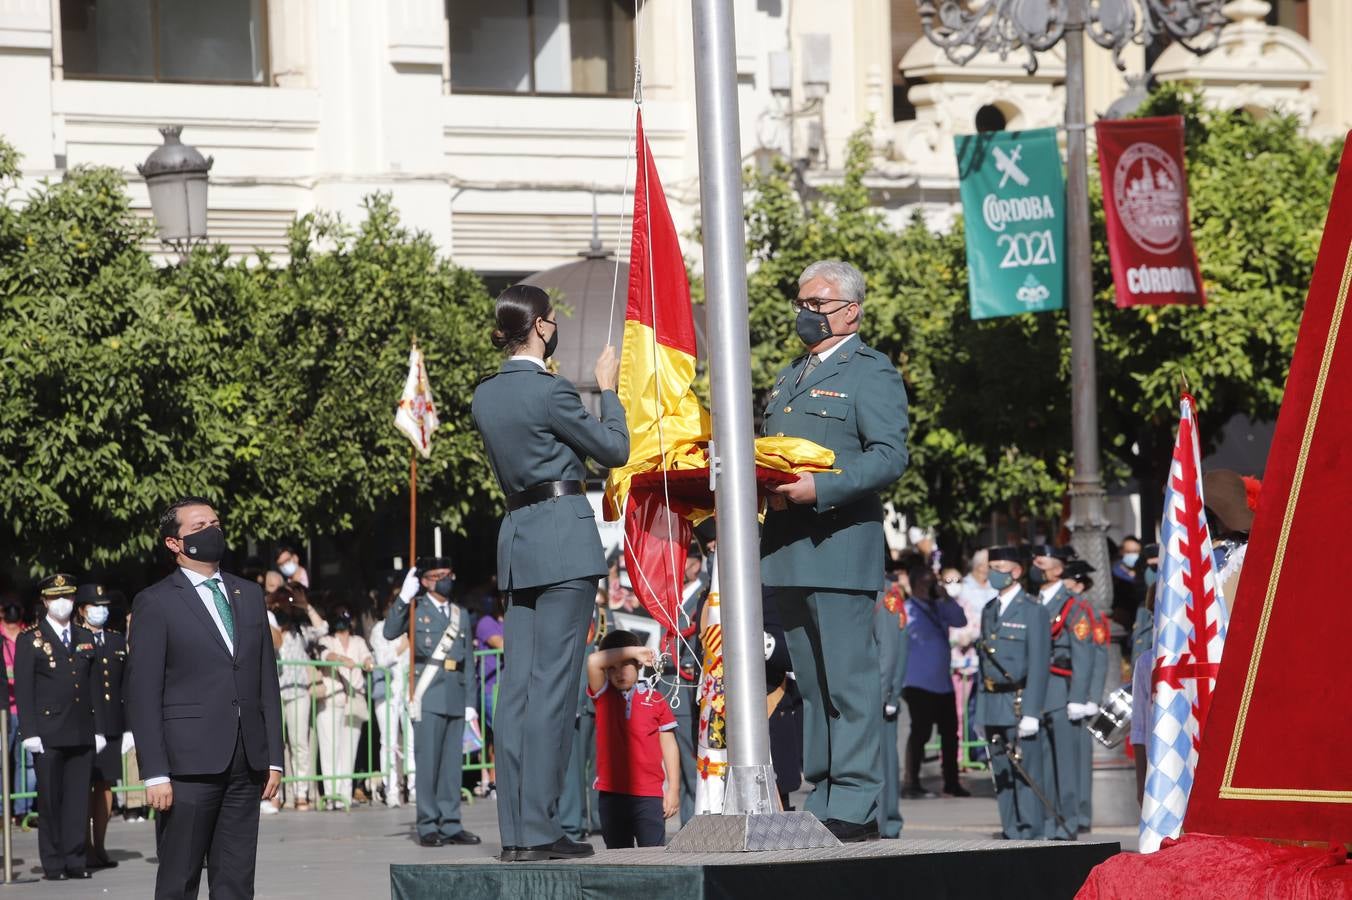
x,y
432,563
90,592
59,585
1078,569
1065,554
1014,554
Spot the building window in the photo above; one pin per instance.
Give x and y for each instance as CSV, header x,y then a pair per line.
x,y
221,41
542,46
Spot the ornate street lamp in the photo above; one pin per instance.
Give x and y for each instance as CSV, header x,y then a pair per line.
x,y
176,178
964,28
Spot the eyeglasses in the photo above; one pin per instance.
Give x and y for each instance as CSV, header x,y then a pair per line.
x,y
814,304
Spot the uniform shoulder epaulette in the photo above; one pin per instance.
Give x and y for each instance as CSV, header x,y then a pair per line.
x,y
33,627
111,631
549,373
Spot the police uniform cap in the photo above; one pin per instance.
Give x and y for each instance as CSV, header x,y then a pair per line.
x,y
432,563
93,593
1064,554
1077,569
1012,554
58,585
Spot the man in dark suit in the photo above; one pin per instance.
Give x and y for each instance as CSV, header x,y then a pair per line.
x,y
205,709
60,725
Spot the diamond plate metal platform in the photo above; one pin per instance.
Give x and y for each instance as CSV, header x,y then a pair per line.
x,y
742,833
911,868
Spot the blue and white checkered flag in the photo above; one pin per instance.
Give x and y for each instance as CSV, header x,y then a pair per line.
x,y
1190,624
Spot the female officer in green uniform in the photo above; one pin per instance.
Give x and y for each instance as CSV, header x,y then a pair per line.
x,y
538,435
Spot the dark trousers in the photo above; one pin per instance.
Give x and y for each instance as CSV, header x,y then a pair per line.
x,y
629,821
63,806
577,804
213,817
545,633
889,806
835,663
438,759
928,709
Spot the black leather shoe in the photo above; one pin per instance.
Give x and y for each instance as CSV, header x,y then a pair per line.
x,y
957,790
79,873
432,840
101,863
508,854
54,876
917,793
852,832
563,848
462,837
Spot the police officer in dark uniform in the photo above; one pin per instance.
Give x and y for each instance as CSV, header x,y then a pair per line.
x,y
60,725
443,665
538,436
1067,702
1012,652
110,661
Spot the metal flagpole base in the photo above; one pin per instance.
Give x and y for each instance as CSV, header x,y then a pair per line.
x,y
742,832
752,821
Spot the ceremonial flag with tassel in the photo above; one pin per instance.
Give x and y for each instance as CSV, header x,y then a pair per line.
x,y
416,415
1190,624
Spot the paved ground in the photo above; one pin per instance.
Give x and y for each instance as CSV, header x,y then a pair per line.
x,y
343,855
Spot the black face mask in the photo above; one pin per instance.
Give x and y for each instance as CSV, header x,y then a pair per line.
x,y
812,327
1036,576
553,343
444,586
207,545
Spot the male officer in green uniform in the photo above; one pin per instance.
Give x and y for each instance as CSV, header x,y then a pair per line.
x,y
1076,580
1012,653
889,629
443,693
822,544
1071,664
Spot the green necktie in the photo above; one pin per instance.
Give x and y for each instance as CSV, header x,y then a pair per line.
x,y
222,607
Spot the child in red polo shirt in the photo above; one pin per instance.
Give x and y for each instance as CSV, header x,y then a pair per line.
x,y
637,764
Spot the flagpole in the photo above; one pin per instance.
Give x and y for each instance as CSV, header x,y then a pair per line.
x,y
412,559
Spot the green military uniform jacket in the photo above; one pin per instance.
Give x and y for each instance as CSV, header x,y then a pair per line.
x,y
1020,642
1072,648
853,403
536,430
453,688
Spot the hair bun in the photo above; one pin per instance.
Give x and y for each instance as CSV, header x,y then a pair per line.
x,y
499,339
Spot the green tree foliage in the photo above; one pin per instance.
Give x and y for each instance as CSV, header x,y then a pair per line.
x,y
269,389
990,400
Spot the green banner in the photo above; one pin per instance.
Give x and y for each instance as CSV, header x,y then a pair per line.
x,y
1013,206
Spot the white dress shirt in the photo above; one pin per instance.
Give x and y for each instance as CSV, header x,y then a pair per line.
x,y
62,631
528,358
1007,597
1049,591
199,583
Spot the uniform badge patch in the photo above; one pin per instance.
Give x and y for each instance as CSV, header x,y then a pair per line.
x,y
1081,630
818,392
1100,634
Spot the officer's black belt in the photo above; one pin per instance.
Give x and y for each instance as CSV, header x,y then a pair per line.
x,y
1007,687
547,491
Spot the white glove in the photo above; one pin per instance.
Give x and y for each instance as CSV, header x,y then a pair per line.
x,y
1028,726
33,745
471,714
128,742
889,710
411,585
1093,709
99,743
1077,711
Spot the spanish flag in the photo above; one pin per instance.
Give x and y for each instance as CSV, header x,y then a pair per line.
x,y
657,361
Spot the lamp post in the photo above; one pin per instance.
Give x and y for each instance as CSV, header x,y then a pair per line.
x,y
964,28
176,178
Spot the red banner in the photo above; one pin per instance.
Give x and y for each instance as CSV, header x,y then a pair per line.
x,y
1145,203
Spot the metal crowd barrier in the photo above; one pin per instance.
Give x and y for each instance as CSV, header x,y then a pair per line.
x,y
364,766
